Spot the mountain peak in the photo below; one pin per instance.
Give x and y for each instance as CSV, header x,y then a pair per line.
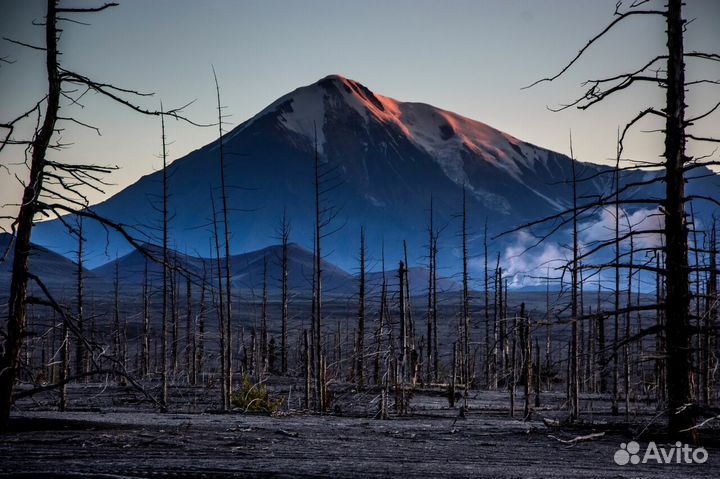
x,y
333,77
448,137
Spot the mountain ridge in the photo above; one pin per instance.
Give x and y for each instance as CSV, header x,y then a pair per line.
x,y
389,158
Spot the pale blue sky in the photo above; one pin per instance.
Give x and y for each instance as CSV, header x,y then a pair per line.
x,y
471,57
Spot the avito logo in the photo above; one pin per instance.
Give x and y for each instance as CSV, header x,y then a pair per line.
x,y
679,453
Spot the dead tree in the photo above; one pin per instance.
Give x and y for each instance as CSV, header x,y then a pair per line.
x,y
429,313
453,376
174,320
189,331
307,363
709,365
512,365
466,304
263,322
538,376
227,352
436,340
65,364
116,331
616,313
145,345
527,361
676,164
410,320
574,367
490,355
380,331
81,365
696,345
224,393
548,340
325,181
200,341
626,340
284,237
403,334
600,348
165,291
500,322
360,361
317,296
54,188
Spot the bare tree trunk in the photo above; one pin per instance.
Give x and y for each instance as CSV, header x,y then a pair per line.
x,y
512,382
174,320
436,339
200,358
65,364
381,325
145,349
263,323
501,324
429,341
307,362
189,332
360,378
466,305
403,333
285,236
320,387
697,361
81,365
227,354
710,360
124,352
224,393
660,344
453,375
163,340
602,359
574,354
548,340
616,314
117,346
626,346
538,378
490,356
410,323
682,418
527,363
313,325
15,331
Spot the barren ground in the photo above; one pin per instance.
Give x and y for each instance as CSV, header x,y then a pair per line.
x,y
108,432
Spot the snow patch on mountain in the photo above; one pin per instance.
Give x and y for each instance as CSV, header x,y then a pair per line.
x,y
442,134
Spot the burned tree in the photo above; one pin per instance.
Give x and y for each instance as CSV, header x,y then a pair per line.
x,y
325,181
165,259
222,328
465,304
284,238
429,313
54,187
676,270
81,363
360,362
227,352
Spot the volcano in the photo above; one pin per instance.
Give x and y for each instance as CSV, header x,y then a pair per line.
x,y
383,160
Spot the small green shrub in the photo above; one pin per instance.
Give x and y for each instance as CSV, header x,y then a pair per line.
x,y
254,398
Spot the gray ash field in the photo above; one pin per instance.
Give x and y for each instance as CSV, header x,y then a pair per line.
x,y
110,431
